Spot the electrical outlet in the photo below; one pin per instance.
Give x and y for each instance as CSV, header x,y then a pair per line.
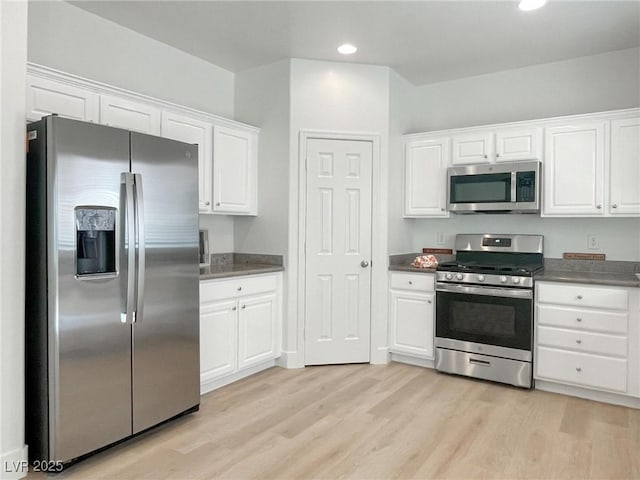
x,y
440,238
592,242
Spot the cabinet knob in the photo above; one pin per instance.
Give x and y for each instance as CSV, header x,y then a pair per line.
x,y
244,306
578,342
234,308
615,205
207,203
578,369
497,155
429,302
599,207
239,288
217,204
579,297
364,264
410,282
486,156
578,319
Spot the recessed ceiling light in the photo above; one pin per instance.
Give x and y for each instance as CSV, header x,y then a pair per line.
x,y
527,5
347,49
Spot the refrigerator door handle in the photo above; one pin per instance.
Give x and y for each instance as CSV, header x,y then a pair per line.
x,y
128,316
140,246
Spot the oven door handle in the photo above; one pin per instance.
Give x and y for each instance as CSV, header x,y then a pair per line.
x,y
488,291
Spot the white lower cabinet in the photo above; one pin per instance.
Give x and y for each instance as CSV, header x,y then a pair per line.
x,y
240,325
412,311
587,340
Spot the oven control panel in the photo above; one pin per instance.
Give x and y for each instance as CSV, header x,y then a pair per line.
x,y
485,279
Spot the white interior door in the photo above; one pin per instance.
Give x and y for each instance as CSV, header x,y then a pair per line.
x,y
338,251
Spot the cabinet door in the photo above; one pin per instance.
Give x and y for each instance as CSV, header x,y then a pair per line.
x,y
189,130
123,113
257,323
45,97
624,179
234,171
218,339
574,169
412,323
518,144
474,147
425,178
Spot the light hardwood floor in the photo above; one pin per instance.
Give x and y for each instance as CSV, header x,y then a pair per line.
x,y
379,422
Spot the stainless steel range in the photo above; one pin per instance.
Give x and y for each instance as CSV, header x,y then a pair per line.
x,y
484,307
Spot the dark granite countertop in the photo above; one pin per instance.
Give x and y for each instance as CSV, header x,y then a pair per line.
x,y
224,265
236,269
600,278
409,268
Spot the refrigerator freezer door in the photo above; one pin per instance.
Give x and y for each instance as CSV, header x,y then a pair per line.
x,y
89,347
166,334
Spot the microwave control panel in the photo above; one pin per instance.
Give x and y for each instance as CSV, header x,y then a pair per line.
x,y
526,187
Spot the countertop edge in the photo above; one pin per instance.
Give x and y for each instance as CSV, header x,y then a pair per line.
x,y
410,269
589,278
253,270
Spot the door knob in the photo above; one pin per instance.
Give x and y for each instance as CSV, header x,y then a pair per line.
x,y
364,264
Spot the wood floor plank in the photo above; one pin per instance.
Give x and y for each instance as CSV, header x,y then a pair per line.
x,y
378,422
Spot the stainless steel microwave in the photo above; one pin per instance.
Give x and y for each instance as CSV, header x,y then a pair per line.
x,y
512,187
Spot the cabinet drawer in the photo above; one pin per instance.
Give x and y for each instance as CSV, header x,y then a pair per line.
x,y
581,341
212,290
582,369
422,282
612,322
583,295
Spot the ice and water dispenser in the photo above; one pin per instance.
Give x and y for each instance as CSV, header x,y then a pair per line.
x,y
95,240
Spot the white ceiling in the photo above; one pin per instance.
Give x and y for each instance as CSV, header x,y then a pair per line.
x,y
427,41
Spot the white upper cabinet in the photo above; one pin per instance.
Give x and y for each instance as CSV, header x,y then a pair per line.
x,y
235,168
425,173
518,144
501,145
476,147
45,97
624,169
574,169
189,130
123,113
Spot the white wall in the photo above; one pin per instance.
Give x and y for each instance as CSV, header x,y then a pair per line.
x,y
73,40
619,238
339,97
582,85
400,230
587,84
262,99
70,39
13,55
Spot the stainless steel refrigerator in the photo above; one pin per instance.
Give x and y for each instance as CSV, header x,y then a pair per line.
x,y
112,302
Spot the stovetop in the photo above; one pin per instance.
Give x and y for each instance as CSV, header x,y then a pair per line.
x,y
499,260
495,269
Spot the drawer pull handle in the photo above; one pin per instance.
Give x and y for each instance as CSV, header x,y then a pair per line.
x,y
578,319
234,308
578,369
578,342
579,297
239,288
410,282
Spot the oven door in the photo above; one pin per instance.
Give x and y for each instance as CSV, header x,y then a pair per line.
x,y
492,320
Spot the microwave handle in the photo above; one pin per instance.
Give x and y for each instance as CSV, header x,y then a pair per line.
x,y
514,179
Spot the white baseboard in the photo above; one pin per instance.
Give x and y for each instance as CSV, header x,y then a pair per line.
x,y
411,360
210,385
14,464
290,359
595,395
